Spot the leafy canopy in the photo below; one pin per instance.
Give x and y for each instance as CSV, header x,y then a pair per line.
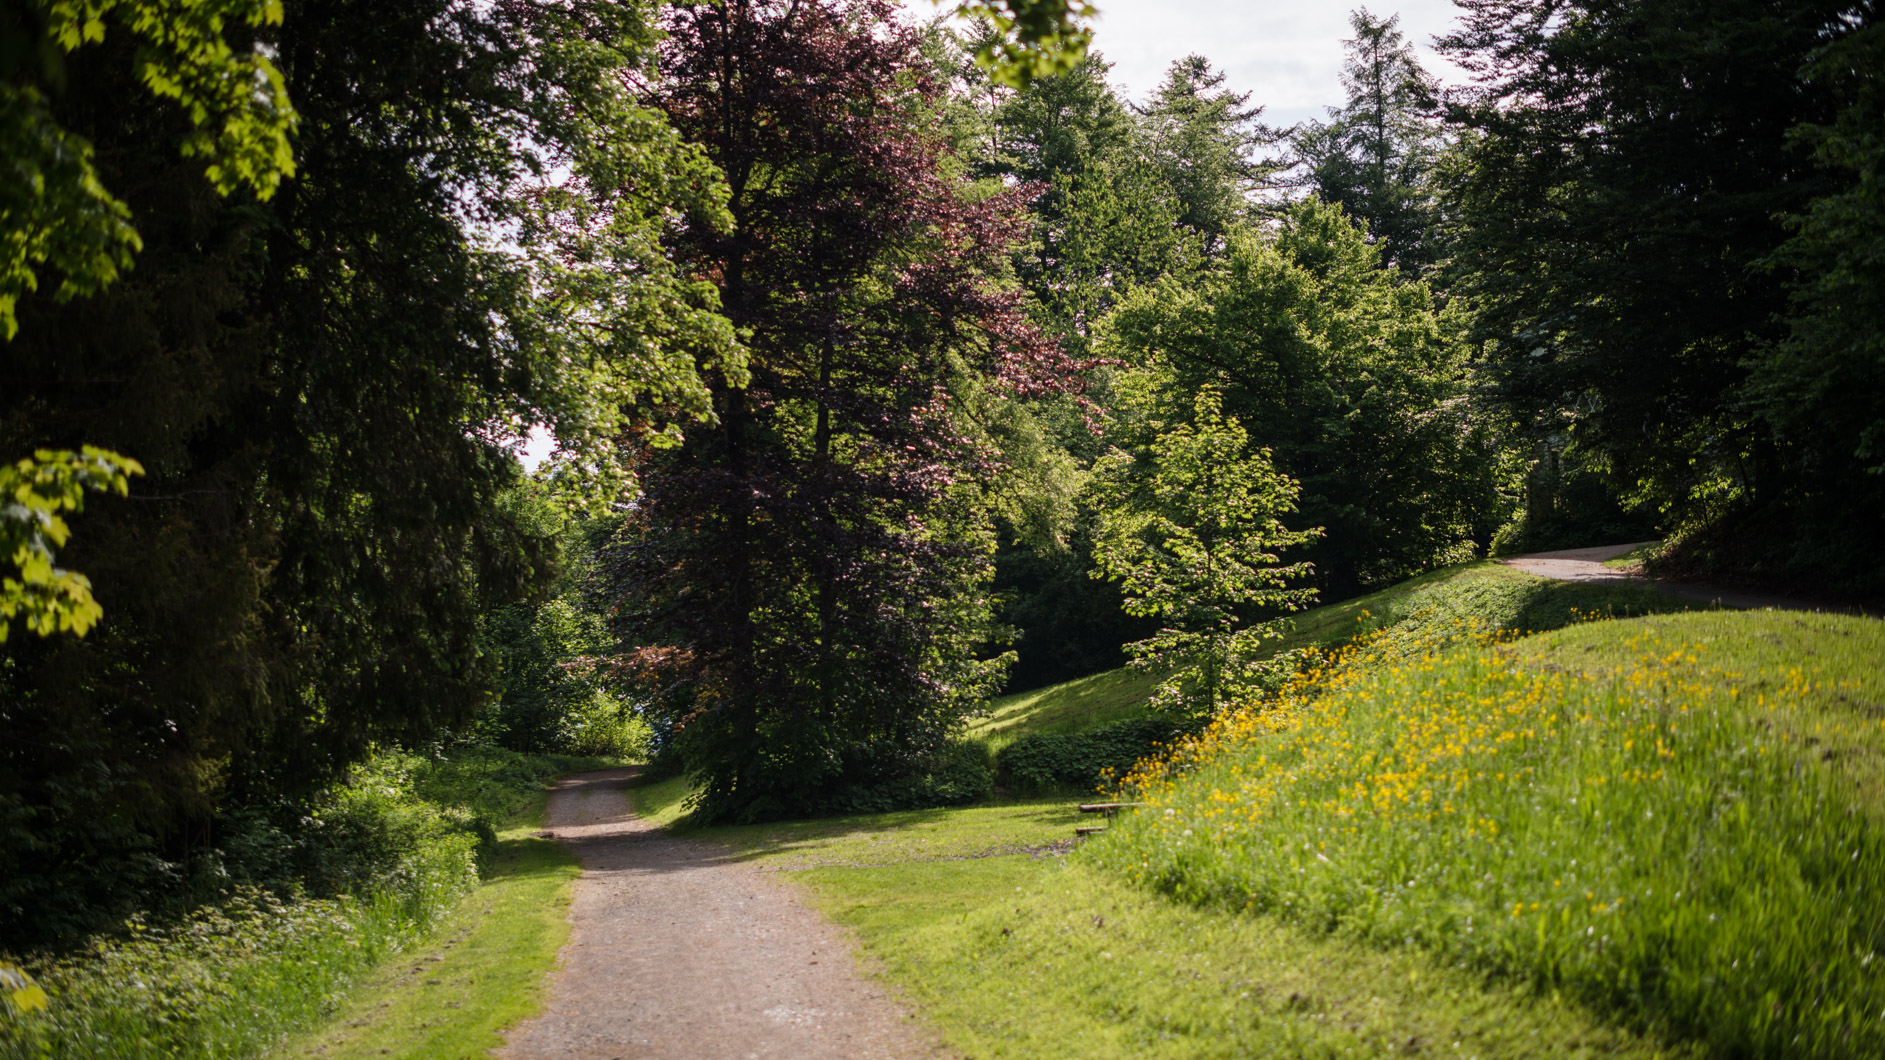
x,y
55,211
32,494
1190,528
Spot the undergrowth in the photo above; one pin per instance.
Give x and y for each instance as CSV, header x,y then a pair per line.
x,y
367,870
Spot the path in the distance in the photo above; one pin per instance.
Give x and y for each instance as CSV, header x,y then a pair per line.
x,y
1587,565
683,953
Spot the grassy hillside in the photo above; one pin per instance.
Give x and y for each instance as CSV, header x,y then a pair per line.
x,y
1673,821
1486,592
1070,707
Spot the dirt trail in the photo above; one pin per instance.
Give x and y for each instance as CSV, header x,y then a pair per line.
x,y
682,953
1587,565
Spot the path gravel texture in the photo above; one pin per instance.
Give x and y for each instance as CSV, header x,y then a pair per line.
x,y
1587,565
681,952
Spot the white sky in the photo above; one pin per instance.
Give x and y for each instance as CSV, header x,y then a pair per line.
x,y
1287,54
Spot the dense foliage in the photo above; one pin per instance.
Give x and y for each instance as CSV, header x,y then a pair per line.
x,y
864,346
811,565
316,387
1624,195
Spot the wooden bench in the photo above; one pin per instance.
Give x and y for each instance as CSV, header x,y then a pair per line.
x,y
1107,808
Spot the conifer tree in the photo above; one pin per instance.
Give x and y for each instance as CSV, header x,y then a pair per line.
x,y
1375,154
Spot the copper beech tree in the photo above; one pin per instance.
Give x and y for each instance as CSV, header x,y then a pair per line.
x,y
805,576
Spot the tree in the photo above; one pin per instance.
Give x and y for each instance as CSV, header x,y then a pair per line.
x,y
1105,220
1029,38
1375,154
32,494
320,388
1202,139
1820,388
1357,381
58,213
1190,529
811,566
1628,168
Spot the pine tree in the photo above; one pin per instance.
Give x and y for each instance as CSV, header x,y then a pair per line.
x,y
1375,155
1203,138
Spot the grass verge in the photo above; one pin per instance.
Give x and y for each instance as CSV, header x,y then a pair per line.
x,y
482,970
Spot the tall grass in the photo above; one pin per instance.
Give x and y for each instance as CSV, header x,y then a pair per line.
x,y
1644,841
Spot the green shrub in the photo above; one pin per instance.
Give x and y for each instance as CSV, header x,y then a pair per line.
x,y
1049,761
368,869
597,725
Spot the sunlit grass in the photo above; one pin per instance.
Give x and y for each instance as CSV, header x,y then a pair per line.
x,y
1639,832
1031,958
483,969
1069,707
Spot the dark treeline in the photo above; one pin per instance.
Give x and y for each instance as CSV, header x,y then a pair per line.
x,y
854,353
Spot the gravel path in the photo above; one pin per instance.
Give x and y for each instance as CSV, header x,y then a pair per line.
x,y
682,953
1587,565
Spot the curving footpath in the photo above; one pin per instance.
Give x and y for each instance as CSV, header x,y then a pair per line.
x,y
1587,565
681,952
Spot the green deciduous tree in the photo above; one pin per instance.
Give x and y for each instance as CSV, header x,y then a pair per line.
x,y
33,492
1191,529
1357,381
58,213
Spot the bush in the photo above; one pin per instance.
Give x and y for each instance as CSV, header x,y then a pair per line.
x,y
597,725
303,909
1049,761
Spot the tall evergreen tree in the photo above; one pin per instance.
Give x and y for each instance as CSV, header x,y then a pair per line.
x,y
1375,153
810,565
1203,139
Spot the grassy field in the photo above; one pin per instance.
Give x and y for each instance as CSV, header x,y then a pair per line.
x,y
1652,837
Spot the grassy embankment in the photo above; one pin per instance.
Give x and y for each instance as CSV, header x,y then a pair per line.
x,y
1452,897
482,969
242,977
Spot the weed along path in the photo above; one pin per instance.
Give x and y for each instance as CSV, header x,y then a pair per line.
x,y
1587,565
679,951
